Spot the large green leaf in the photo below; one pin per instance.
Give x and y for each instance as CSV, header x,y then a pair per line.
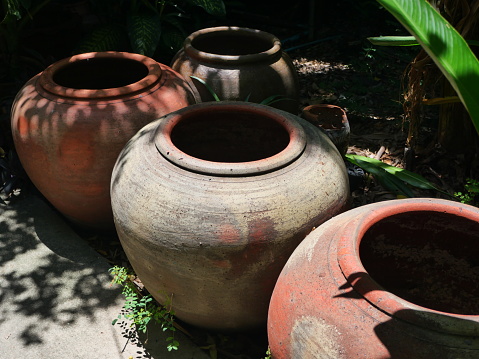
x,y
212,7
144,31
446,47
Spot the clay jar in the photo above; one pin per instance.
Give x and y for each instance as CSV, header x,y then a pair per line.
x,y
227,191
239,64
332,120
396,279
71,121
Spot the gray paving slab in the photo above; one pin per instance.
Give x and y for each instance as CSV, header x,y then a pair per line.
x,y
56,300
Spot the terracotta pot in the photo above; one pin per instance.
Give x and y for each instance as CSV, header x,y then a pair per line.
x,y
239,63
396,279
333,121
227,191
71,121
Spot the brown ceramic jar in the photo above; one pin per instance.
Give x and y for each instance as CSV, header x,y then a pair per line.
x,y
239,64
71,121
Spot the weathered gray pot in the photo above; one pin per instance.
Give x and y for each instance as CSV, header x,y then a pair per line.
x,y
210,201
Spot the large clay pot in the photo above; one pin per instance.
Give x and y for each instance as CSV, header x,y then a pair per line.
x,y
396,279
210,201
238,64
71,121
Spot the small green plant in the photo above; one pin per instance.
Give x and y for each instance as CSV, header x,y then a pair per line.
x,y
141,309
268,354
471,190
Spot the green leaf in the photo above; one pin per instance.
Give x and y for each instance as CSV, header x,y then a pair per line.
x,y
393,41
273,99
446,47
388,180
144,31
212,7
208,87
409,177
404,41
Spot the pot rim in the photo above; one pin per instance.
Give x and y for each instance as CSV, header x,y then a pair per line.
x,y
48,84
351,266
274,50
291,152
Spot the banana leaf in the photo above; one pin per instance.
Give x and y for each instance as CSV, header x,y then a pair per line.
x,y
446,47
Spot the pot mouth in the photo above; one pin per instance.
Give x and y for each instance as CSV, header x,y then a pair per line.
x,y
99,75
402,261
230,138
230,44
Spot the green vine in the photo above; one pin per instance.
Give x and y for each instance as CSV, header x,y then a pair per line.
x,y
141,309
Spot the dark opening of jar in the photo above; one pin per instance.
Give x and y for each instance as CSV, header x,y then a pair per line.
x,y
100,73
234,44
223,136
428,258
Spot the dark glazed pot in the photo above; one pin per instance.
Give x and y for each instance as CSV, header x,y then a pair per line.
x,y
395,279
71,121
333,121
227,191
239,64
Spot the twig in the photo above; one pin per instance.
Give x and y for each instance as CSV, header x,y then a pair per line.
x,y
380,153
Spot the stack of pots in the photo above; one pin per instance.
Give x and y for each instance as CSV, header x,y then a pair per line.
x,y
71,121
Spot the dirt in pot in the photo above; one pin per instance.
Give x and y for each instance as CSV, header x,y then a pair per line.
x,y
427,258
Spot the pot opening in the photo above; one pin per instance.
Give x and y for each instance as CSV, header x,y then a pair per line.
x,y
234,44
225,136
100,73
428,258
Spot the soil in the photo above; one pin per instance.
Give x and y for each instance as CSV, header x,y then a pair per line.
x,y
338,66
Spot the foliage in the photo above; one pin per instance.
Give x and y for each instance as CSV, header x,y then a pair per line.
x,y
471,192
141,309
143,26
393,178
444,45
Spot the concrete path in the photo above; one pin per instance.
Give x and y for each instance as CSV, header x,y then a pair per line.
x,y
56,300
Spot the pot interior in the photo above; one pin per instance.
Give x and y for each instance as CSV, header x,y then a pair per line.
x,y
231,43
225,136
427,258
100,73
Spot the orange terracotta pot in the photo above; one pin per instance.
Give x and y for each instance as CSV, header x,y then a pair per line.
x,y
71,121
238,64
396,279
227,191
